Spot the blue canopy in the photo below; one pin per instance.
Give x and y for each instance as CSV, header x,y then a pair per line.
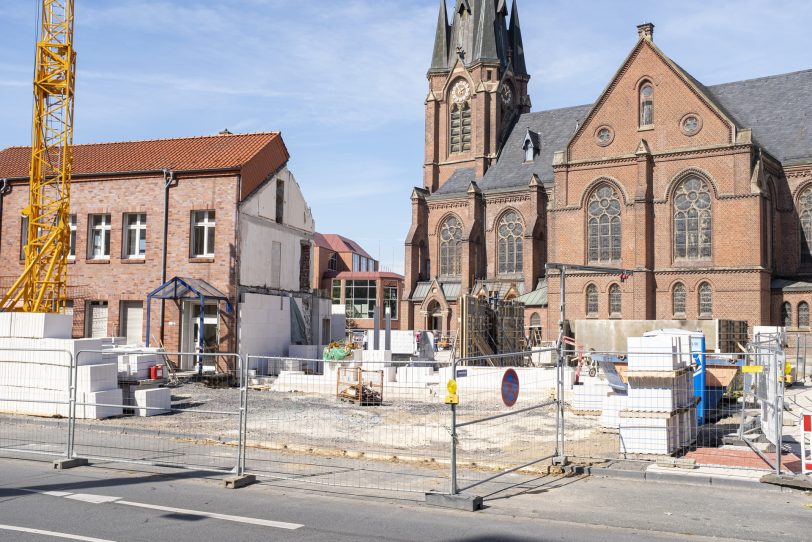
x,y
187,288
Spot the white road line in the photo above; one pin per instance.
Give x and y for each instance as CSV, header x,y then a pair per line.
x,y
214,515
52,533
93,499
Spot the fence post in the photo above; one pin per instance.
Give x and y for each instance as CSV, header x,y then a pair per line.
x,y
74,378
454,485
242,369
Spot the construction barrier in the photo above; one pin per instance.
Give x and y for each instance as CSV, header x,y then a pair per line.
x,y
806,442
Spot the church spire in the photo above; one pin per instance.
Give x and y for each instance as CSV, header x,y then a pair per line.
x,y
515,40
439,60
486,44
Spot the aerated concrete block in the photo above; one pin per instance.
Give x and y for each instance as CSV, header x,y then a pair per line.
x,y
37,325
93,378
92,408
155,398
5,323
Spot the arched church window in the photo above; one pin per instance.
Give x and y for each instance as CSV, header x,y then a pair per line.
x,y
705,300
460,125
591,300
678,297
786,315
535,320
692,220
646,104
604,225
803,314
510,234
614,299
450,247
805,215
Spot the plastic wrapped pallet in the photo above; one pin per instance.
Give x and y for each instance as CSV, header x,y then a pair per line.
x,y
660,353
38,325
653,433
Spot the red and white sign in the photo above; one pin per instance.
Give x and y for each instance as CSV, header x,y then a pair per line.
x,y
806,443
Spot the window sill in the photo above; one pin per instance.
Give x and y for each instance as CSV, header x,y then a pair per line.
x,y
646,128
201,259
615,316
128,261
99,261
71,260
705,317
679,316
592,316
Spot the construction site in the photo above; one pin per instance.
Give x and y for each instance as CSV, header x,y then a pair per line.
x,y
214,352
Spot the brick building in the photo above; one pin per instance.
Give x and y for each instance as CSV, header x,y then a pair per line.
x,y
353,278
235,219
705,192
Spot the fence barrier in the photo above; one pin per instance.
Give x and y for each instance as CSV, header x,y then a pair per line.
x,y
386,425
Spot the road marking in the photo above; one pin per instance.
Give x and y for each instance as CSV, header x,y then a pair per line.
x,y
52,533
93,499
104,499
213,515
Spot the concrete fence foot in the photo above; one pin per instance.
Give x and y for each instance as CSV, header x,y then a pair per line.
x,y
64,464
468,503
236,482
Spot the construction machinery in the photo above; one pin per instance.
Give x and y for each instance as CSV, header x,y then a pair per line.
x,y
42,287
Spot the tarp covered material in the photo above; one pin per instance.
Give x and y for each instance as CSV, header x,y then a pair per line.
x,y
298,331
336,354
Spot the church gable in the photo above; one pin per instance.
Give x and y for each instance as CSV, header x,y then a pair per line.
x,y
652,99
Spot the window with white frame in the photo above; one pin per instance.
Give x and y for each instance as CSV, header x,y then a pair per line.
x,y
336,292
99,246
203,234
135,235
72,252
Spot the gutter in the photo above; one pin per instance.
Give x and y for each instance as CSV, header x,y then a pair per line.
x,y
141,172
169,181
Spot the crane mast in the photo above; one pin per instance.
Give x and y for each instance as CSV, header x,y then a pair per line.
x,y
42,287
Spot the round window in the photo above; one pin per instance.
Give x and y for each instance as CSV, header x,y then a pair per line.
x,y
604,136
691,124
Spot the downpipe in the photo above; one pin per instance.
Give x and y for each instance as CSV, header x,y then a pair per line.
x,y
169,181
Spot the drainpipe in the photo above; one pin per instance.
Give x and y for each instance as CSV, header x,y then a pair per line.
x,y
237,258
169,180
4,189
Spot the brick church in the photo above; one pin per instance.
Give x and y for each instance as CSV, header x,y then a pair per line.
x,y
704,191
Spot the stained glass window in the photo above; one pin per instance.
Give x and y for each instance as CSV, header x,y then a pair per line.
x,y
450,247
679,299
510,234
692,220
604,225
705,300
592,300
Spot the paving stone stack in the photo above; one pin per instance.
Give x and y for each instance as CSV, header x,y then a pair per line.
x,y
35,380
658,417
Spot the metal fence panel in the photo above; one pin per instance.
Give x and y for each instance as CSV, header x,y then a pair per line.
x,y
36,388
199,428
306,423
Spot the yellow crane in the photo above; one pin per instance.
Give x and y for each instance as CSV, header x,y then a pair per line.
x,y
42,287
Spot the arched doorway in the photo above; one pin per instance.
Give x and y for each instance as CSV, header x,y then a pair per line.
x,y
435,318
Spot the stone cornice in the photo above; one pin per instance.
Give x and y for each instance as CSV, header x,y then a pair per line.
x,y
715,150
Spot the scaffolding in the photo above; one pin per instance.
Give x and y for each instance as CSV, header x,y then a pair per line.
x,y
490,327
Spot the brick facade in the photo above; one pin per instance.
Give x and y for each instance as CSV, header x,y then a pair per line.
x,y
754,224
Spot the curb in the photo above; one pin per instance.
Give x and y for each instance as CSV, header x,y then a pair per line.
x,y
678,478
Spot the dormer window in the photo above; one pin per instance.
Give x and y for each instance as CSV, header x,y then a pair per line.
x,y
531,146
646,105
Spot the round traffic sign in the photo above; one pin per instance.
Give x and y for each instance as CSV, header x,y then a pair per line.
x,y
510,388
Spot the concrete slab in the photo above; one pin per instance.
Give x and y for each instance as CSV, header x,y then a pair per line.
x,y
64,464
237,482
468,503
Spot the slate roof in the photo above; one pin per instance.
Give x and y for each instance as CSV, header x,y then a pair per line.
x,y
554,129
789,285
777,108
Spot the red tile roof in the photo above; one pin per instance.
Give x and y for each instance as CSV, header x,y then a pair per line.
x,y
366,275
339,243
256,156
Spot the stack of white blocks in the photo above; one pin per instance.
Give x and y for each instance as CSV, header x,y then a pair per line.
x,y
656,419
590,395
156,398
30,377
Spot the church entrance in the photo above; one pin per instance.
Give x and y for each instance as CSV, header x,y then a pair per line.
x,y
435,318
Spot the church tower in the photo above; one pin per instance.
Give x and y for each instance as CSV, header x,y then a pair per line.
x,y
477,87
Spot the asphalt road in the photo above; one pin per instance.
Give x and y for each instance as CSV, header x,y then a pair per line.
x,y
105,503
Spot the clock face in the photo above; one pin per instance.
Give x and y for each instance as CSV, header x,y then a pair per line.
x,y
461,92
507,96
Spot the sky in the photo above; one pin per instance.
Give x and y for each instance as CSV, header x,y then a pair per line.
x,y
345,81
